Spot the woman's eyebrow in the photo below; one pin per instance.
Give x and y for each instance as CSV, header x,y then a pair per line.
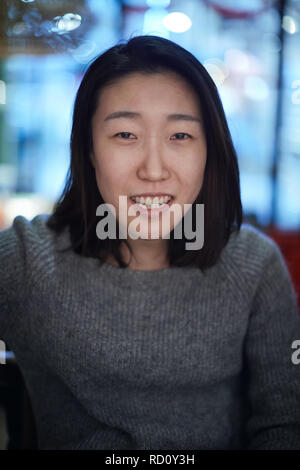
x,y
134,115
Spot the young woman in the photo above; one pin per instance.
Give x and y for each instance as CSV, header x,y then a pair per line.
x,y
140,339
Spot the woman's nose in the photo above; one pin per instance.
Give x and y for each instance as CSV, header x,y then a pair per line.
x,y
153,165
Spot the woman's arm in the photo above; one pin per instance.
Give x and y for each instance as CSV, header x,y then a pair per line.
x,y
12,271
273,380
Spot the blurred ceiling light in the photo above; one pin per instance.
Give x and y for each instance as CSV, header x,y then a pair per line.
x,y
289,25
217,69
66,23
256,88
177,22
158,3
27,1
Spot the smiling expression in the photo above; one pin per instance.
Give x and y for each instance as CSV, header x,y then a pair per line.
x,y
148,137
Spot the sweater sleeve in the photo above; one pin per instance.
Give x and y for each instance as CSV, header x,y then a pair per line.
x,y
12,270
273,379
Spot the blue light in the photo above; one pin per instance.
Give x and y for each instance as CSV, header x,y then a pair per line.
x,y
158,3
177,22
153,23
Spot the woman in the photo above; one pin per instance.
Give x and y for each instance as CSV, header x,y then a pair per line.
x,y
139,340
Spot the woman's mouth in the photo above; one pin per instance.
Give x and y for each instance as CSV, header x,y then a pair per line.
x,y
154,208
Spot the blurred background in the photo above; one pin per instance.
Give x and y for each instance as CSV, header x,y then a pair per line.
x,y
251,48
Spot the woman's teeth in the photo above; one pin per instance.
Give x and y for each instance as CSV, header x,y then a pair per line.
x,y
152,203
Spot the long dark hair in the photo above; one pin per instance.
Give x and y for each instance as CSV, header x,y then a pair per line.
x,y
220,192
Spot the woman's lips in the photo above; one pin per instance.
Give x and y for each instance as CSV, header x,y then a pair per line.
x,y
159,210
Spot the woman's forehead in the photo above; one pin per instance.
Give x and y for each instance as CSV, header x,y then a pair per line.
x,y
139,78
155,90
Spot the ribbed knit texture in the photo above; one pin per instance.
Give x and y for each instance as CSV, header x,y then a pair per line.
x,y
166,359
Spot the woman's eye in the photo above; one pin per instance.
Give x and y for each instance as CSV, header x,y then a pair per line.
x,y
178,136
182,136
124,135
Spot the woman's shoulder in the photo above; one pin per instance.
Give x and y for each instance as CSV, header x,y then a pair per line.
x,y
252,245
28,243
250,256
27,232
26,254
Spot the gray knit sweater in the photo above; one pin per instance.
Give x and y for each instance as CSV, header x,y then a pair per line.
x,y
166,359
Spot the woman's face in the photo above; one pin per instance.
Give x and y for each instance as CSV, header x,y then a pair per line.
x,y
148,137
